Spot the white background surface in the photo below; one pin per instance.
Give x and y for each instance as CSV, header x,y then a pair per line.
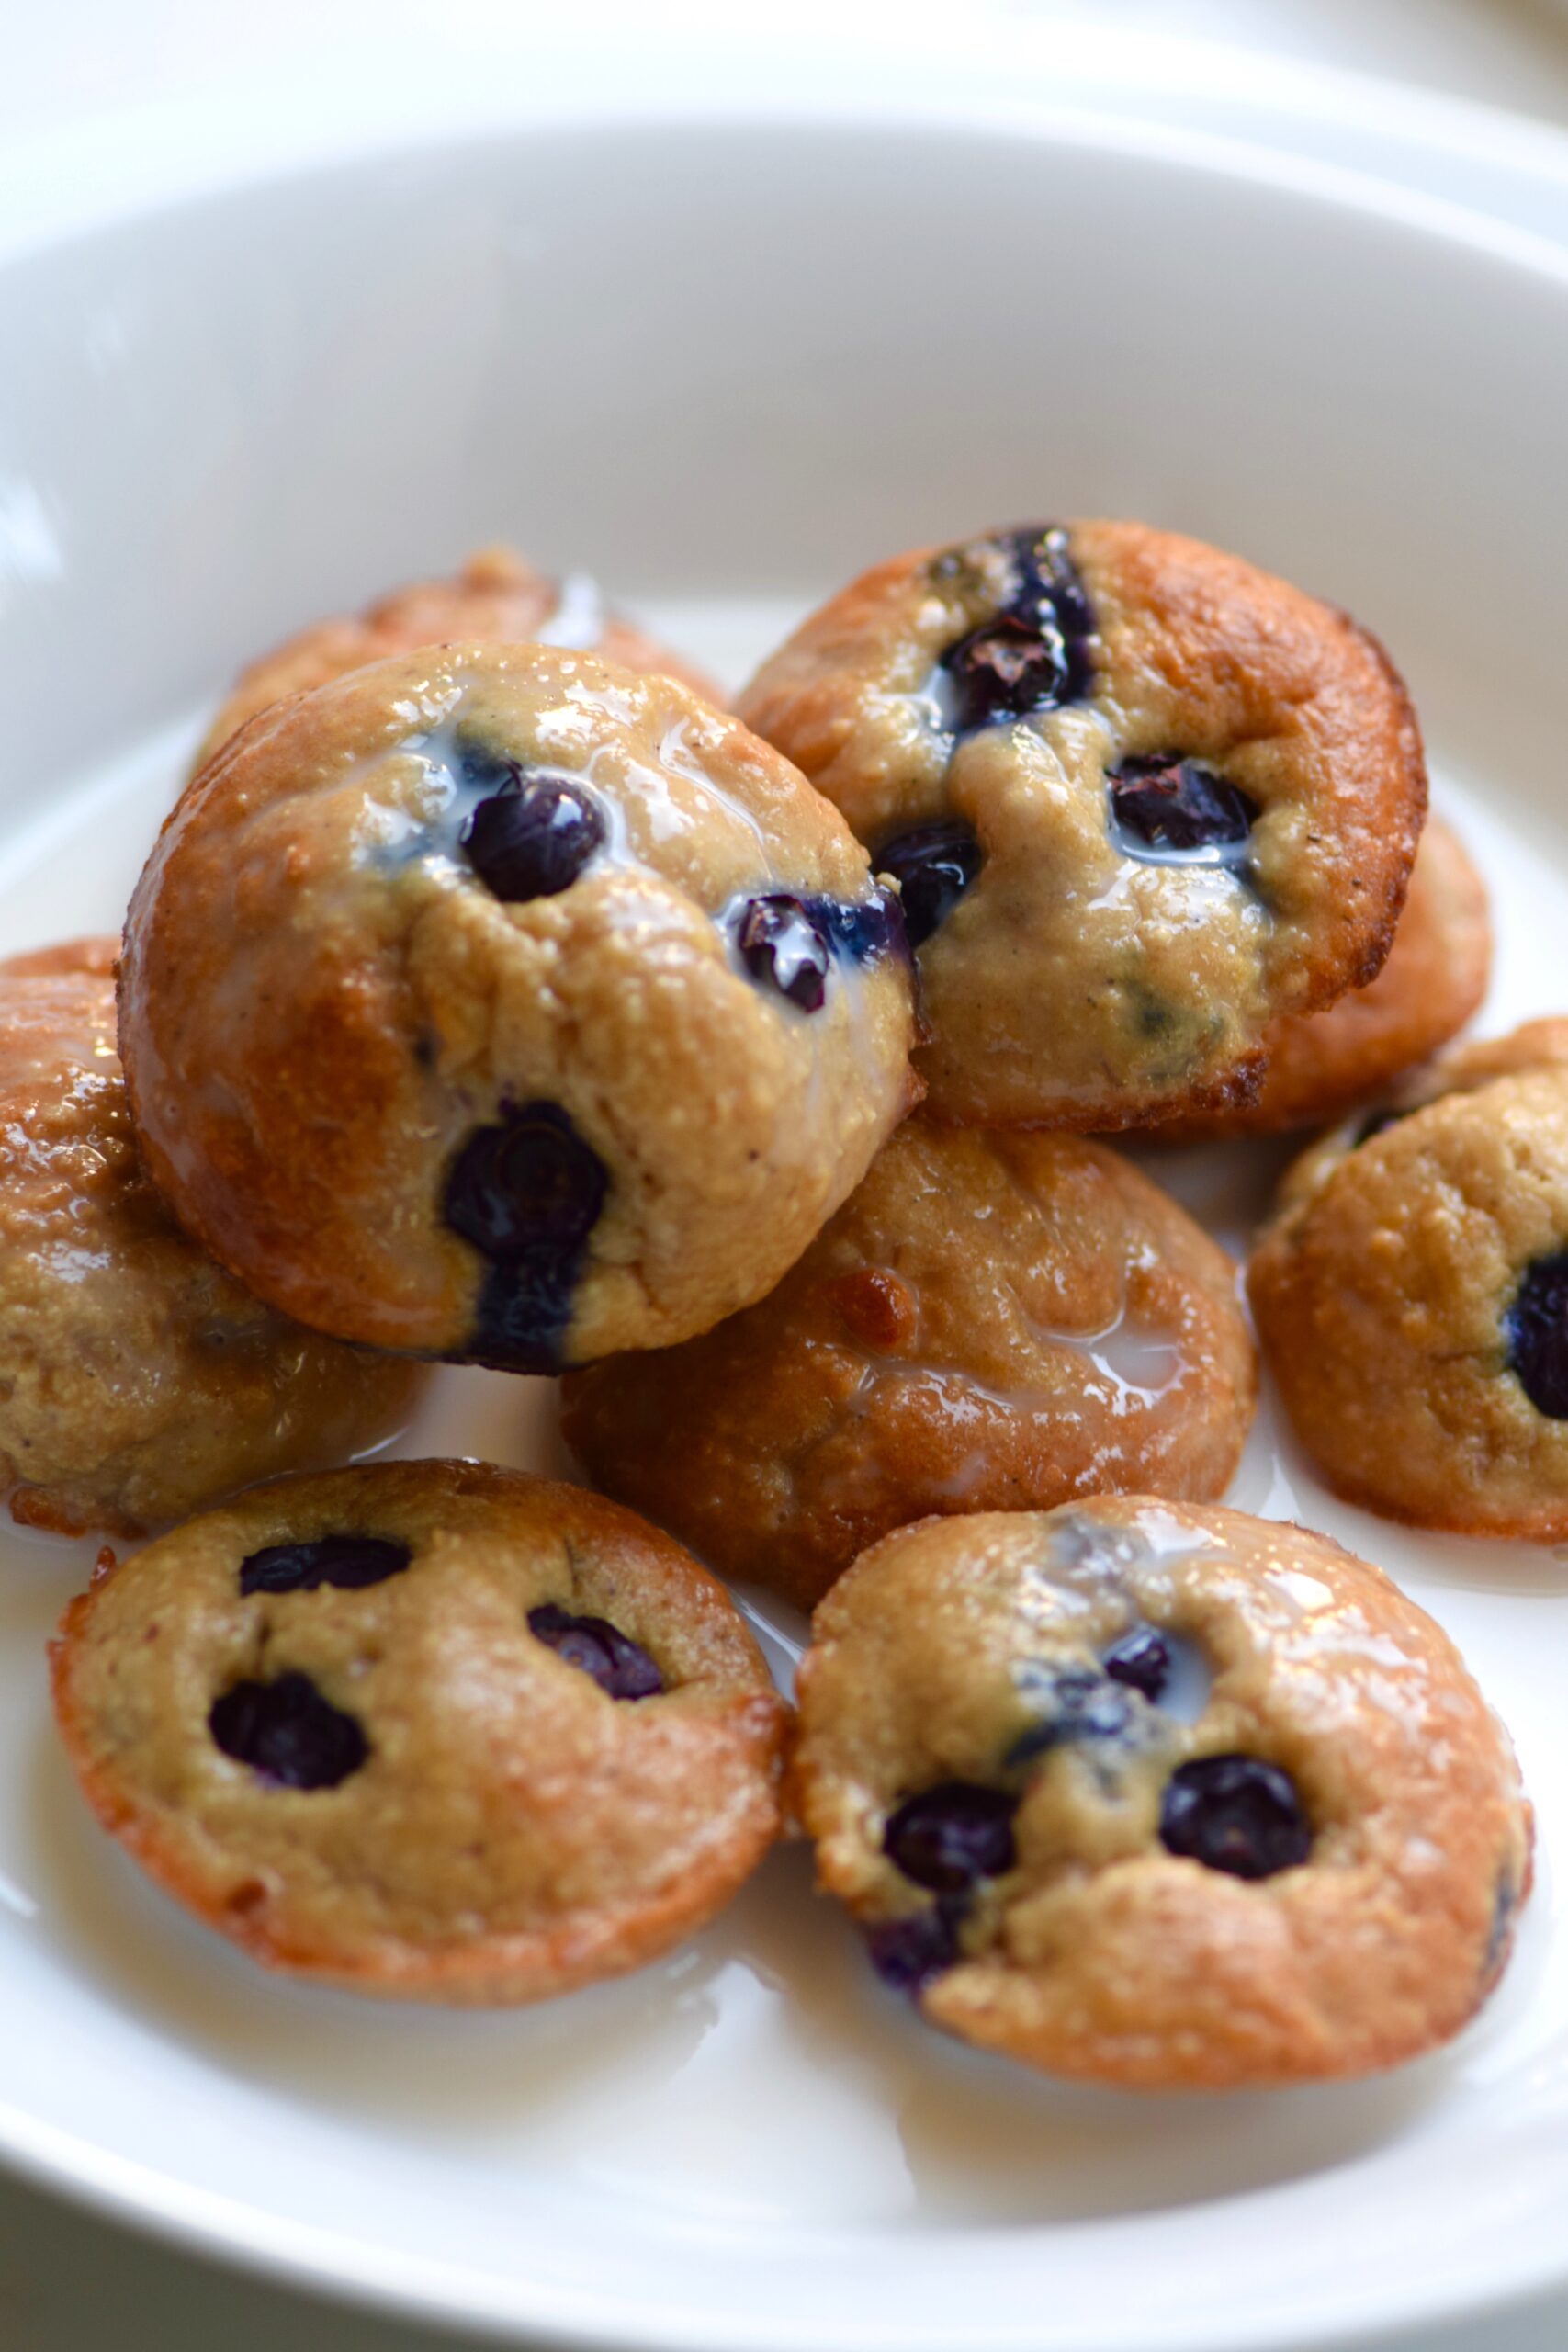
x,y
67,2283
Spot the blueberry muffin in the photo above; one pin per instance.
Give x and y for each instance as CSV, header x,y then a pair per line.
x,y
138,1381
1434,980
1142,799
991,1322
433,1730
1412,1299
495,1004
496,598
1159,1796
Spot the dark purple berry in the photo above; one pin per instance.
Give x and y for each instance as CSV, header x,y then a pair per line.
x,y
1074,1702
620,1666
532,838
349,1562
1176,806
527,1192
951,1836
933,866
530,1182
1033,655
908,1953
783,942
1140,1659
1235,1814
1536,1327
287,1733
865,929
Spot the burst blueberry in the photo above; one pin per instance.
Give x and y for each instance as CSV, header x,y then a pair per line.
x,y
783,942
1141,1659
349,1562
620,1666
950,1837
1179,807
1536,1327
1071,1703
533,838
287,1733
1032,655
933,866
1235,1814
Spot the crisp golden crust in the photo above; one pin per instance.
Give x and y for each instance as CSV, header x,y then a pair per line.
x,y
1322,1063
138,1381
1076,983
989,1322
513,1831
1385,1288
1099,1953
323,1003
495,598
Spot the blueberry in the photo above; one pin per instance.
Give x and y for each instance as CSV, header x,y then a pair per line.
x,y
349,1562
287,1733
1176,806
951,1836
1536,1327
528,1182
533,838
1034,654
1074,1702
1235,1814
933,866
908,1953
527,1192
620,1668
865,929
783,942
1140,1659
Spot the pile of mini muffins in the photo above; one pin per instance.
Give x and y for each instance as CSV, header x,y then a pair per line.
x,y
493,995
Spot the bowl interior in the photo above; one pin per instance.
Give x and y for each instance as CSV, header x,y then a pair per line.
x,y
725,366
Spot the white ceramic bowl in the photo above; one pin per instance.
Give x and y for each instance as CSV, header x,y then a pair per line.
x,y
725,364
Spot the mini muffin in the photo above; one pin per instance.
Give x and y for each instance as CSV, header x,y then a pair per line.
x,y
432,1730
494,1003
991,1321
1412,1300
496,598
138,1381
1321,1063
1142,801
1159,1796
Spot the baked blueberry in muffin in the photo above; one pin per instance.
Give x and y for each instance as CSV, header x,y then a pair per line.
x,y
496,1003
1143,801
1293,1845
